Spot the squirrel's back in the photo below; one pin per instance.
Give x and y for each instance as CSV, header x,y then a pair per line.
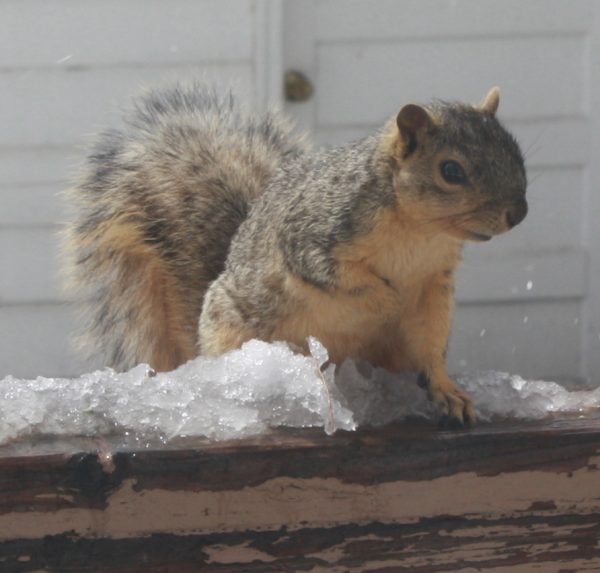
x,y
157,206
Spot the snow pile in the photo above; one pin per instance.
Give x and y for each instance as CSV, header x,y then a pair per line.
x,y
498,395
378,397
246,391
238,394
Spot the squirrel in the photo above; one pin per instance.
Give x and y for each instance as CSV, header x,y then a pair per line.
x,y
201,226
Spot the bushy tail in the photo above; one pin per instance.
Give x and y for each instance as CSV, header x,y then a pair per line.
x,y
133,308
157,207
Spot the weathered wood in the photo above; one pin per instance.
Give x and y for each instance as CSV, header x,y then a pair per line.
x,y
443,544
400,498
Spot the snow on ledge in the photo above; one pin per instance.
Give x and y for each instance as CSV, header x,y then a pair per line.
x,y
247,391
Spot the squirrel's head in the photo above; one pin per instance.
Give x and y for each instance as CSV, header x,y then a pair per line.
x,y
458,170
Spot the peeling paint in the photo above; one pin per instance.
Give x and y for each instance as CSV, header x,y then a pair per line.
x,y
418,548
290,517
228,554
319,502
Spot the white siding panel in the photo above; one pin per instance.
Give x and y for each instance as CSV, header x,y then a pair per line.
x,y
552,142
555,208
487,276
38,164
592,210
40,204
44,107
499,337
31,255
76,32
36,341
365,19
525,69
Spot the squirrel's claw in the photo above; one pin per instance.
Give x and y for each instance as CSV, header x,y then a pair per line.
x,y
454,405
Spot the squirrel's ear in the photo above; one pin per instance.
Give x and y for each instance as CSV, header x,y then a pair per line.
x,y
413,121
490,101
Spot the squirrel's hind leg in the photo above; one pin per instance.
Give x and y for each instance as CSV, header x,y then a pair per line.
x,y
221,327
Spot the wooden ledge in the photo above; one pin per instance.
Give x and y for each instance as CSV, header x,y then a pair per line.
x,y
409,497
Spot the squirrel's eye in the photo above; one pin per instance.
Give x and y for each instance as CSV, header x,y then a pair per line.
x,y
453,173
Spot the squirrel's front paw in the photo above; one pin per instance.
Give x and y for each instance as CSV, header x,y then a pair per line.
x,y
454,405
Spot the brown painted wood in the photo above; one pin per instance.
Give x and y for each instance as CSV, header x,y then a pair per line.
x,y
93,505
424,547
368,456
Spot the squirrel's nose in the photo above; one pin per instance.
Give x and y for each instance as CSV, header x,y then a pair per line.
x,y
516,213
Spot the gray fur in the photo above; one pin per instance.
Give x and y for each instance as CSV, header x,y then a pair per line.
x,y
314,203
474,134
320,201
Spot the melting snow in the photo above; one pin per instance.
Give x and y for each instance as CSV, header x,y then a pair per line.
x,y
246,391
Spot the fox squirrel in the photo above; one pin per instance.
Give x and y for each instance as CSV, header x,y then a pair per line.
x,y
201,226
